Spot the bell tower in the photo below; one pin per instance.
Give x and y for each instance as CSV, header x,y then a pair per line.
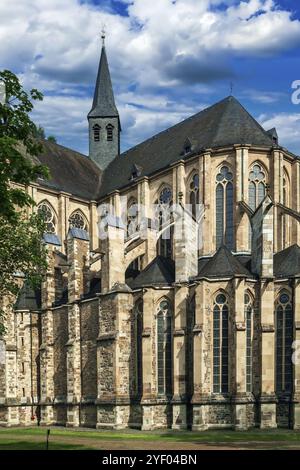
x,y
103,118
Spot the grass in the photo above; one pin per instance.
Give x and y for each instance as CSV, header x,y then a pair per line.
x,y
12,444
225,436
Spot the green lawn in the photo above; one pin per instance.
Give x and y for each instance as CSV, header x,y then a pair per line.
x,y
226,436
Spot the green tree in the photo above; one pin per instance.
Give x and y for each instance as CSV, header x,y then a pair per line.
x,y
21,230
51,138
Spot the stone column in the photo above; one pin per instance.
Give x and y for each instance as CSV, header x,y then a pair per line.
x,y
209,236
202,359
115,359
267,397
148,232
276,180
93,226
113,265
296,357
295,201
46,348
242,221
240,398
149,391
179,358
78,257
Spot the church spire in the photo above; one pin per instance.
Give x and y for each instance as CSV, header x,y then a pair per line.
x,y
104,100
104,122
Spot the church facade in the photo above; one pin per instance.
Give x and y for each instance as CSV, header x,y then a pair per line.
x,y
172,294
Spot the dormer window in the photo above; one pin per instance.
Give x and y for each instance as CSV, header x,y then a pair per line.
x,y
110,135
96,130
188,147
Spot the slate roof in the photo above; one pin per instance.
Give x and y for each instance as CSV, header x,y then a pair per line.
x,y
225,123
160,272
222,264
104,101
28,299
287,262
70,171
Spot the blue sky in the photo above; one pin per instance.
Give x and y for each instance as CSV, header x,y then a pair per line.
x,y
169,59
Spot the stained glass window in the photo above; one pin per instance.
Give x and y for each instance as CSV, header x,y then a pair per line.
x,y
224,208
249,332
46,211
164,217
194,193
77,220
284,340
257,190
164,349
138,312
220,344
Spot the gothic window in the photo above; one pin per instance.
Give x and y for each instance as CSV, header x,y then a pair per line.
x,y
96,131
194,193
163,217
249,335
257,186
109,130
164,349
224,208
47,213
284,340
132,218
220,344
77,220
138,317
257,190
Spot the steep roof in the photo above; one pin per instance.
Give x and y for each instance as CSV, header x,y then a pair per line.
x,y
70,171
225,123
161,271
287,262
223,264
104,101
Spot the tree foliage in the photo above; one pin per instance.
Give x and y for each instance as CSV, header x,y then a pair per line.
x,y
18,146
21,252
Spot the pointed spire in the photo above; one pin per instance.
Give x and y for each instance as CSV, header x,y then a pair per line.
x,y
104,101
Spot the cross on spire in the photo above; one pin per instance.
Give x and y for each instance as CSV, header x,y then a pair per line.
x,y
103,35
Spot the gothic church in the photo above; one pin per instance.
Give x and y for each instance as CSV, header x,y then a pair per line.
x,y
138,329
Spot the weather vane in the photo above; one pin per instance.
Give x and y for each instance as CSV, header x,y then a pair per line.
x,y
231,88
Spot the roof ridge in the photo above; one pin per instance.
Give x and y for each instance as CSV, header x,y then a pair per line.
x,y
174,126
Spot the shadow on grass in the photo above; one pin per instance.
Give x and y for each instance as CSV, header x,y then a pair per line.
x,y
29,445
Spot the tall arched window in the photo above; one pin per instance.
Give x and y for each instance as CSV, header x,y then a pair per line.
x,y
257,190
220,344
77,220
285,218
164,349
132,218
164,217
249,339
48,215
224,208
96,131
284,340
194,193
110,132
138,317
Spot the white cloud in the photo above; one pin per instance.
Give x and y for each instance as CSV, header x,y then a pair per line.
x,y
288,128
159,48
